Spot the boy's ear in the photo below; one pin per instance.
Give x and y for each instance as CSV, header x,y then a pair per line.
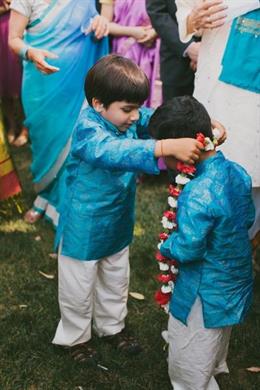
x,y
97,105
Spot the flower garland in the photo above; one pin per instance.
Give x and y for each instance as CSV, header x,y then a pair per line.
x,y
169,267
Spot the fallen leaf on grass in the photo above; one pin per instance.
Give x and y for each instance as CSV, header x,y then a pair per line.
x,y
22,306
47,276
102,367
53,255
253,369
38,238
136,295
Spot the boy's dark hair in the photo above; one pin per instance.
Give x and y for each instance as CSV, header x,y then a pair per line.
x,y
180,117
115,78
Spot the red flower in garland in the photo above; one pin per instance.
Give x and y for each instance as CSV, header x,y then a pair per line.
x,y
201,138
163,236
164,278
174,191
185,168
161,298
160,257
170,215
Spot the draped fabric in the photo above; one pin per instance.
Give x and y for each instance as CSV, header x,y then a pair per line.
x,y
9,182
52,103
241,61
10,64
133,13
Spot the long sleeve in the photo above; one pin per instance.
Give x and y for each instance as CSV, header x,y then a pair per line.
x,y
104,150
194,224
165,26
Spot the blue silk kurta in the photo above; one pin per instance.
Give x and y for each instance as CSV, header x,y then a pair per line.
x,y
215,211
97,218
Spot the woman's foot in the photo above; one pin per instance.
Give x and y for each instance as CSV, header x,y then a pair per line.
x,y
10,136
32,216
22,138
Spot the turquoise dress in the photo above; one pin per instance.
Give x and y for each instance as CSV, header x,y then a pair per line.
x,y
98,214
52,103
215,211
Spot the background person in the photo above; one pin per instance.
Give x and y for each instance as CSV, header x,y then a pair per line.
x,y
54,39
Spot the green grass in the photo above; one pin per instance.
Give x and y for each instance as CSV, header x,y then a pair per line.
x,y
29,311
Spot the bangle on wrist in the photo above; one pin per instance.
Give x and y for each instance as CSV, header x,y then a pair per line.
x,y
161,146
23,52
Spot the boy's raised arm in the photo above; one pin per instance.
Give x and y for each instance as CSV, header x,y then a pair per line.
x,y
194,224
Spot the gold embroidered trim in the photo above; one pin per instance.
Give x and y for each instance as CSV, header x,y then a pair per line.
x,y
250,26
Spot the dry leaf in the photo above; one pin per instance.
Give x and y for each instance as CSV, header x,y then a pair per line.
x,y
136,295
38,238
253,369
102,367
47,276
22,306
53,255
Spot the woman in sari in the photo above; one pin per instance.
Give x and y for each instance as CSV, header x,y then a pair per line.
x,y
134,38
61,32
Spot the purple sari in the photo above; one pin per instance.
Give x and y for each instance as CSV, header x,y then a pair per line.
x,y
133,13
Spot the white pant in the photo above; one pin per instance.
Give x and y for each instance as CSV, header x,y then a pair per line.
x,y
96,289
196,354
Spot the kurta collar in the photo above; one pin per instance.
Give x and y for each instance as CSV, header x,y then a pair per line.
x,y
203,165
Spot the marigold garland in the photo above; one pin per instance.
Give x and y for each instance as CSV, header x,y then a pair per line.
x,y
169,267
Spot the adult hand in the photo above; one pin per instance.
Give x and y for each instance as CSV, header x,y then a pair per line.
x,y
207,15
193,51
37,56
222,131
138,33
100,27
149,38
6,4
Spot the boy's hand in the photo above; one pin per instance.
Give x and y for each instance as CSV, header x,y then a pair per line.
x,y
223,133
187,150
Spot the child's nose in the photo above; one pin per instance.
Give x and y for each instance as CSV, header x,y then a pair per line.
x,y
135,115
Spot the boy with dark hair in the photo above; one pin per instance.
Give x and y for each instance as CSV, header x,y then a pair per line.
x,y
110,146
213,290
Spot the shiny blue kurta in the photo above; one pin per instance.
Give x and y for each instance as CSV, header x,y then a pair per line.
x,y
97,218
215,211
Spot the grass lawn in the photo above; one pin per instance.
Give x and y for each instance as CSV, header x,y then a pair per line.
x,y
29,310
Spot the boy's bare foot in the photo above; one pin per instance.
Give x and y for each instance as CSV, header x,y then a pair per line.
x,y
32,216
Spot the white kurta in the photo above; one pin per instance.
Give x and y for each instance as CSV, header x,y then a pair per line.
x,y
237,109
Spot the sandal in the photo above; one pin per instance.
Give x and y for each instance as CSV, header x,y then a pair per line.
x,y
82,353
124,343
32,216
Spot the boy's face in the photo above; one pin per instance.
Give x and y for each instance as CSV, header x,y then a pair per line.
x,y
121,114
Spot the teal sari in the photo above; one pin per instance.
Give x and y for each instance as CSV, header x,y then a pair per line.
x,y
52,103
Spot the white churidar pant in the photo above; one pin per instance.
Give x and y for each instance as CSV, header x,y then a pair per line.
x,y
196,354
92,290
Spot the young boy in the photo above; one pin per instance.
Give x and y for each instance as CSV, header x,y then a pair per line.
x,y
213,290
110,146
